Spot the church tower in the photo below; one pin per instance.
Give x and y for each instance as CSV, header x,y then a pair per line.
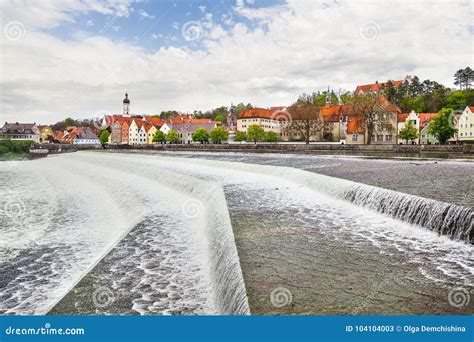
x,y
231,118
126,105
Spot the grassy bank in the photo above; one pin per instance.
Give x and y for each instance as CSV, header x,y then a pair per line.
x,y
15,149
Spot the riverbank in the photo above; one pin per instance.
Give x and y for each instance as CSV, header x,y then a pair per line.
x,y
375,151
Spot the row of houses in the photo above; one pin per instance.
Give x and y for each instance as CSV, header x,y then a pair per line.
x,y
141,130
45,134
339,123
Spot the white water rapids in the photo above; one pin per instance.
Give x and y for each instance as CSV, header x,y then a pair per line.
x,y
59,217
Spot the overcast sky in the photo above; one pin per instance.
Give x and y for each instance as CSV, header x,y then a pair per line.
x,y
77,58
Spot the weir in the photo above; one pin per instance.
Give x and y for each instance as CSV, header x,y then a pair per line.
x,y
451,220
226,274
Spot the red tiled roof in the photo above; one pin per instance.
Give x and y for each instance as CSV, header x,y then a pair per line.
x,y
402,117
257,113
155,121
334,112
374,87
354,124
471,108
425,118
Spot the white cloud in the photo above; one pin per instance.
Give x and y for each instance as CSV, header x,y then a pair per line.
x,y
51,13
145,14
304,46
89,23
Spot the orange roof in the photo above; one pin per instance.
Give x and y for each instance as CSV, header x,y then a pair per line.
x,y
180,119
197,121
333,113
402,117
471,108
354,124
257,113
155,121
148,126
425,118
374,87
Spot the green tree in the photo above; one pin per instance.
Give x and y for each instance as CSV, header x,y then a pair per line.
x,y
456,100
218,118
104,137
408,132
271,136
409,103
172,136
159,136
69,122
255,133
240,136
201,135
442,125
218,135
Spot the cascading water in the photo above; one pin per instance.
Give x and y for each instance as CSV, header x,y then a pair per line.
x,y
443,218
165,227
451,220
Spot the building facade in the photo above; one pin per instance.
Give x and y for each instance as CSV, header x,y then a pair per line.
x,y
465,125
20,131
264,118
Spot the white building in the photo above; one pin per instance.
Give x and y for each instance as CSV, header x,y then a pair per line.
x,y
20,131
466,125
264,118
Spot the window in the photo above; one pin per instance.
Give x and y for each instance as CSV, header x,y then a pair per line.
x,y
388,138
379,137
372,138
354,137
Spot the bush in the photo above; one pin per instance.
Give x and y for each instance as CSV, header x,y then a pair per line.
x,y
15,146
271,136
218,135
240,136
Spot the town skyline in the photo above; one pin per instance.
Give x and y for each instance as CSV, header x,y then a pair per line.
x,y
185,57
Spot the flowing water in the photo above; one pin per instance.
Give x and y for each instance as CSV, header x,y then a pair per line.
x,y
113,233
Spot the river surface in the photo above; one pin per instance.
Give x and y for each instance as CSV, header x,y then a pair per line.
x,y
180,234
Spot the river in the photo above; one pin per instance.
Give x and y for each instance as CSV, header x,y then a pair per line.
x,y
114,233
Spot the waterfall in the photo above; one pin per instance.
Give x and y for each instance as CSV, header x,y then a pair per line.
x,y
223,260
448,219
443,218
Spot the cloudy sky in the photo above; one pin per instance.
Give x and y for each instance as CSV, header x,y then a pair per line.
x,y
77,58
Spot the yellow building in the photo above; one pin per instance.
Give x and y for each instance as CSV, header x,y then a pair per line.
x,y
150,133
46,133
